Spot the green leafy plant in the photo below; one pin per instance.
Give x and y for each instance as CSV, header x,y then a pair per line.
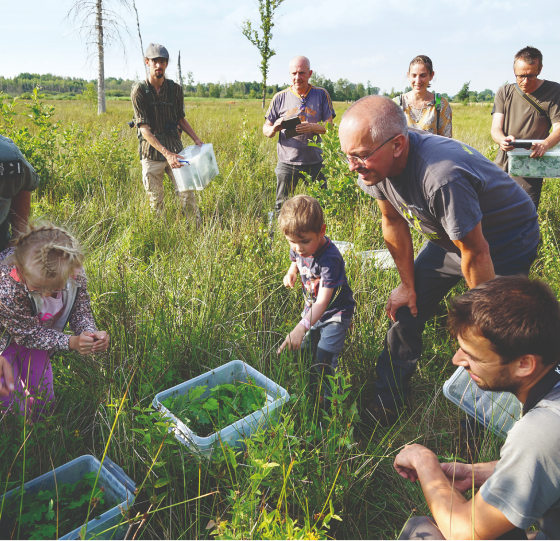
x,y
47,512
226,404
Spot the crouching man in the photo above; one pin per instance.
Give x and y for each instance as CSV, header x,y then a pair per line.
x,y
509,336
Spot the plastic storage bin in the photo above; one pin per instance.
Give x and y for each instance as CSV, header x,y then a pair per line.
x,y
119,491
199,167
497,411
519,163
232,434
380,259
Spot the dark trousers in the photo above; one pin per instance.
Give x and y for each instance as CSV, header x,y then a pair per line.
x,y
4,234
436,271
288,176
533,187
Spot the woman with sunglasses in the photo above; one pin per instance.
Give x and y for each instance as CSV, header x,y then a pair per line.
x,y
424,110
42,288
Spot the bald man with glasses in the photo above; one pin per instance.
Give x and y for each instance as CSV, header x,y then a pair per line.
x,y
527,109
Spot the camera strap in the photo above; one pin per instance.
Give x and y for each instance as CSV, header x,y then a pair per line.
x,y
530,100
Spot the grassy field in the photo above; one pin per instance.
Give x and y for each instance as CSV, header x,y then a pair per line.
x,y
178,301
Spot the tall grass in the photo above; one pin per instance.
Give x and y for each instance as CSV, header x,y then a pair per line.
x,y
178,301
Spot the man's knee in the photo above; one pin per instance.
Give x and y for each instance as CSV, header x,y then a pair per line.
x,y
421,528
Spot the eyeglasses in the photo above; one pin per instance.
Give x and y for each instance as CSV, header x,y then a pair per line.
x,y
357,159
45,292
528,77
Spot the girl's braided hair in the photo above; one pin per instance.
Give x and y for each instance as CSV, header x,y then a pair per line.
x,y
48,252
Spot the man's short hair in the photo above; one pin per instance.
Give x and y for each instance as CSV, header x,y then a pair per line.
x,y
386,118
518,316
529,55
301,214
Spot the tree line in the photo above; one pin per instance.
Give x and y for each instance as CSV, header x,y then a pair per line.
x,y
74,87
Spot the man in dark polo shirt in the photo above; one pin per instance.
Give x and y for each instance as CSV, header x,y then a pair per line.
x,y
515,117
313,105
159,114
17,180
477,221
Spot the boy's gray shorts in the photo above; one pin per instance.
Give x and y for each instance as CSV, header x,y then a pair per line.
x,y
331,336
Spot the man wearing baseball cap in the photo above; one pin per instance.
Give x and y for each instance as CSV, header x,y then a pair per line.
x,y
159,115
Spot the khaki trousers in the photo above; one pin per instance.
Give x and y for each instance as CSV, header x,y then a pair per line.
x,y
152,177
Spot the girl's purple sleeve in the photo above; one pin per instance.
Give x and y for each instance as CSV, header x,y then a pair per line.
x,y
82,316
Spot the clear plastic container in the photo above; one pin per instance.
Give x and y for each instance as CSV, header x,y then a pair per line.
x,y
119,492
520,164
496,411
380,259
199,167
232,434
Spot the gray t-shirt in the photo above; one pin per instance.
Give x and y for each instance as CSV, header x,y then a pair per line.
x,y
448,187
315,107
525,485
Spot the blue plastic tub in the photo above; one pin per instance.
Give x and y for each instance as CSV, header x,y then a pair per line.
x,y
119,492
496,411
233,434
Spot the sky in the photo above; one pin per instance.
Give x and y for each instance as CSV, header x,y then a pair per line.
x,y
358,40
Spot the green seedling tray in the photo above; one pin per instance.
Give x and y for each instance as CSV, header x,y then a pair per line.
x,y
233,434
119,492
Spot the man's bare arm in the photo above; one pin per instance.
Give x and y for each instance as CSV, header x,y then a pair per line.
x,y
186,127
456,517
552,140
171,157
398,240
476,262
497,132
270,129
313,127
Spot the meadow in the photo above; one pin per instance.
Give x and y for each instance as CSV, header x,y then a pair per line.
x,y
178,301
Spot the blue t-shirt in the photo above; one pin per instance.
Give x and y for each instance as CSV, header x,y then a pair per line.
x,y
325,268
316,106
448,187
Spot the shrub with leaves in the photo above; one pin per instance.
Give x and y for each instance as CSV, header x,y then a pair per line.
x,y
226,404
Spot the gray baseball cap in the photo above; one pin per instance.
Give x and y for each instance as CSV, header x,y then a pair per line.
x,y
155,50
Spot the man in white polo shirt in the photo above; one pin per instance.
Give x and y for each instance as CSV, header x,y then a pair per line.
x,y
313,105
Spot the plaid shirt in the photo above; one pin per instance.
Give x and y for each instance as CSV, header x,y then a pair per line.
x,y
156,116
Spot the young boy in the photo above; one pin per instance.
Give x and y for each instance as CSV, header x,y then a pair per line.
x,y
329,304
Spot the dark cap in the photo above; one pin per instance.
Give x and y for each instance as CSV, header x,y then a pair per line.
x,y
156,51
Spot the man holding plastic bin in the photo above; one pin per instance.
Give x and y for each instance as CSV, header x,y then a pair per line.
x,y
159,117
526,109
509,336
296,114
477,221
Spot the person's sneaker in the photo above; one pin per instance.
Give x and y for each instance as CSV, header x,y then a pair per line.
x,y
383,416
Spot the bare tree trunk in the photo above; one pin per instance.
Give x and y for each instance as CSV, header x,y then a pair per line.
x,y
140,36
101,108
264,91
179,75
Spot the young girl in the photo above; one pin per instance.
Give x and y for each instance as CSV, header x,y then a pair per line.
x,y
42,288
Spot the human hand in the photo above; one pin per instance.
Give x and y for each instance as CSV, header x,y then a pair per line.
x,y
7,378
290,279
504,145
294,339
406,460
101,341
460,475
539,149
173,159
401,296
198,142
277,126
82,343
306,127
